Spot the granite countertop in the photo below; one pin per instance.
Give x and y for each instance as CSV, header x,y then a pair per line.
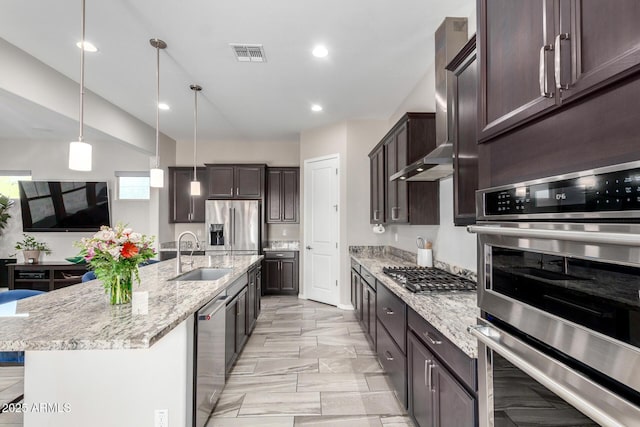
x,y
187,245
449,312
282,245
79,317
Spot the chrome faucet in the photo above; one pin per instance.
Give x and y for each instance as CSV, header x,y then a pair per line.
x,y
179,257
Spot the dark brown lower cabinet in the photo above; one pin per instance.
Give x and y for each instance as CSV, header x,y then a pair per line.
x,y
368,322
281,272
393,361
241,321
230,336
251,316
356,294
436,398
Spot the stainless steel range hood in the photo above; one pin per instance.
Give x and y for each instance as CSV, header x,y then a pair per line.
x,y
436,165
450,37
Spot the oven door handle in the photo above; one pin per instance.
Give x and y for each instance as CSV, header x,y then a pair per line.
x,y
492,337
574,236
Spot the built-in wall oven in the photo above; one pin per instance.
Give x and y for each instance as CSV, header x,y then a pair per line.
x,y
559,291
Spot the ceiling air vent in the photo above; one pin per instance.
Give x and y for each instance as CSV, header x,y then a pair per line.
x,y
248,52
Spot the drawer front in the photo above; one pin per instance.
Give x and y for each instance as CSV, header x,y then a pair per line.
x,y
393,362
355,265
392,312
280,255
368,277
463,366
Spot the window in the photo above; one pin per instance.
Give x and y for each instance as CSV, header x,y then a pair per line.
x,y
133,185
9,182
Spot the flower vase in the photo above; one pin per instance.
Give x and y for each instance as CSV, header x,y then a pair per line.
x,y
119,286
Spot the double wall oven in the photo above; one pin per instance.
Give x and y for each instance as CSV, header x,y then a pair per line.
x,y
559,291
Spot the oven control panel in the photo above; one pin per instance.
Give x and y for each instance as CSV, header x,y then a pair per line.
x,y
601,191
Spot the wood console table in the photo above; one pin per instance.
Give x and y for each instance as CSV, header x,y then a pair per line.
x,y
45,277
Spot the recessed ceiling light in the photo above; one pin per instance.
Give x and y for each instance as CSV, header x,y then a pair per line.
x,y
316,108
320,51
88,46
419,169
164,106
403,178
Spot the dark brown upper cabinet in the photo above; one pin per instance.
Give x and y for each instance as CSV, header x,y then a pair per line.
x,y
514,64
283,195
236,181
182,206
465,145
598,42
378,184
411,138
537,56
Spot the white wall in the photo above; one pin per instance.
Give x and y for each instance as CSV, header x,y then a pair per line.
x,y
30,79
48,161
273,153
452,245
362,136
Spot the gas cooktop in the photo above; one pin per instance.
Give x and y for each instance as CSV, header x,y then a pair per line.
x,y
422,279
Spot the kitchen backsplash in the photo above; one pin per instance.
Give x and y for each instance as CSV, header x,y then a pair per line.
x,y
379,251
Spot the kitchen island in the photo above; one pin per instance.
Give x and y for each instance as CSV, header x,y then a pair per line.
x,y
90,363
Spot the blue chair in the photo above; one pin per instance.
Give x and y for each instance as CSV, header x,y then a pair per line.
x,y
89,275
15,357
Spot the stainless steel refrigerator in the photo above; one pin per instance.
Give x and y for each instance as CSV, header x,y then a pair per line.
x,y
233,226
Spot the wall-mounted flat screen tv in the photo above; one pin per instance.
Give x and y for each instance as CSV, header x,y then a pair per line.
x,y
64,205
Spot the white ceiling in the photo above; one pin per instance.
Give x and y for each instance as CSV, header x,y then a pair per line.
x,y
378,51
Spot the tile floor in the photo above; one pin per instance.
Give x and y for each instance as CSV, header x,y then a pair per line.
x,y
11,387
306,364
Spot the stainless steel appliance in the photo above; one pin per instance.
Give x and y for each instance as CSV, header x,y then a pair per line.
x,y
422,279
233,226
209,367
559,289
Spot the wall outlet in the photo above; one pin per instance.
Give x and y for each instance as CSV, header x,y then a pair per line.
x,y
395,236
284,231
161,418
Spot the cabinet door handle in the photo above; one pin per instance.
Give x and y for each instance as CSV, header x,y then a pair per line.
x,y
388,311
237,190
544,84
394,216
388,356
431,340
558,59
427,373
375,214
280,255
431,366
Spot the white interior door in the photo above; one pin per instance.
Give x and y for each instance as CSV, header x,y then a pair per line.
x,y
321,229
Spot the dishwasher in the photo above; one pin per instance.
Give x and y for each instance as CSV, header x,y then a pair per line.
x,y
209,359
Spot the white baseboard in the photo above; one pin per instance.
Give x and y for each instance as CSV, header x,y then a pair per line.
x,y
302,296
345,307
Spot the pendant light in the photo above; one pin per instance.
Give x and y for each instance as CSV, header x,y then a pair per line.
x,y
156,175
80,151
195,184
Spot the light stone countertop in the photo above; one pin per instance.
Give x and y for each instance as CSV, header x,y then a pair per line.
x,y
79,317
449,312
282,246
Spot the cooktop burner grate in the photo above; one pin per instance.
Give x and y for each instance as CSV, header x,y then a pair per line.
x,y
422,279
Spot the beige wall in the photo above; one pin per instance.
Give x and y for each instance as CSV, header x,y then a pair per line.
x,y
322,142
273,153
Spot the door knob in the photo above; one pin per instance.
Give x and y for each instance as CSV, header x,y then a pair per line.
x,y
309,248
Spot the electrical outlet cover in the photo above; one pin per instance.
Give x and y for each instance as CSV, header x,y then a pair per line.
x,y
161,418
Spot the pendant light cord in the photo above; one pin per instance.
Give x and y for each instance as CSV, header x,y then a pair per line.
x,y
157,106
195,133
81,133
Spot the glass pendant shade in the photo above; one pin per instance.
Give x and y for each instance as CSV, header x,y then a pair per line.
x,y
156,178
195,188
80,156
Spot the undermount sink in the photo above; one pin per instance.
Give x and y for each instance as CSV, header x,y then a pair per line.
x,y
203,274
